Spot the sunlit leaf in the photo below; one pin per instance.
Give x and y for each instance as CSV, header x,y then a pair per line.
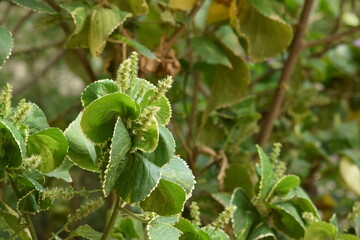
x,y
161,228
100,116
51,145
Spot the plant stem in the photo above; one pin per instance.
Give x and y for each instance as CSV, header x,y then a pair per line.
x,y
112,220
30,226
286,73
130,213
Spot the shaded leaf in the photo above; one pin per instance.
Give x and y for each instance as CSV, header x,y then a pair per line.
x,y
209,51
81,151
245,215
87,232
161,228
138,178
12,148
137,7
35,5
267,180
265,33
228,86
167,199
6,44
136,45
120,146
62,172
261,231
165,148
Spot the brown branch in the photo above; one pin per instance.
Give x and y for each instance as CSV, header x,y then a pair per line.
x,y
183,143
78,52
286,73
222,172
39,74
332,38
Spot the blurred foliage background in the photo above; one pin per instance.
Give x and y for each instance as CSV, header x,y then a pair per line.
x,y
226,70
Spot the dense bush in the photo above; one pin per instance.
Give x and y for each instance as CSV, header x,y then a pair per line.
x,y
262,98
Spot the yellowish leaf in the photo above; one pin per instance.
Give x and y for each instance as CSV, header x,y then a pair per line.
x,y
350,174
183,5
217,12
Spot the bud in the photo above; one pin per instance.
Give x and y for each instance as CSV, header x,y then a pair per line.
x,y
32,162
147,117
134,65
310,218
195,213
86,209
65,193
123,75
5,100
162,87
224,217
279,166
20,112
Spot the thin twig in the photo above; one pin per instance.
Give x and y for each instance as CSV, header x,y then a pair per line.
x,y
286,73
30,226
222,172
110,224
194,105
331,38
39,74
183,143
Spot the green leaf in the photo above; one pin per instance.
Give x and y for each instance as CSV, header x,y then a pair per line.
x,y
320,230
265,33
167,199
136,45
11,219
245,215
12,145
215,233
35,120
302,200
51,144
93,31
186,226
138,178
6,44
165,148
146,139
228,86
178,172
288,220
87,232
81,151
62,172
237,175
120,146
224,198
79,12
261,231
100,116
284,185
347,237
209,51
97,90
226,35
161,228
267,180
137,7
35,5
